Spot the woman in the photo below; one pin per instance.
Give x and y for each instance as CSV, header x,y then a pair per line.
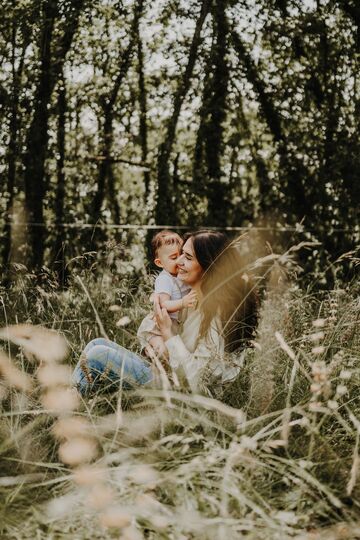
x,y
223,322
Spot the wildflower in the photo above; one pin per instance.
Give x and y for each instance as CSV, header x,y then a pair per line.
x,y
319,371
315,388
345,374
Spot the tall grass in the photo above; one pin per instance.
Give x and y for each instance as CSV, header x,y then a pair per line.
x,y
277,457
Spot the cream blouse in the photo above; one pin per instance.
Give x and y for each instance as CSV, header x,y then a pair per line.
x,y
201,362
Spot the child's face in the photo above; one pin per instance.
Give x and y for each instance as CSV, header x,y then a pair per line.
x,y
167,257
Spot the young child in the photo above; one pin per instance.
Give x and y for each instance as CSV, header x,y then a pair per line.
x,y
173,294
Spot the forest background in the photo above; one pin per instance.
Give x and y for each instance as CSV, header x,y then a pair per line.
x,y
119,117
119,114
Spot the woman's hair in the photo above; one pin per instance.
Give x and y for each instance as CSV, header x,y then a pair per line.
x,y
228,289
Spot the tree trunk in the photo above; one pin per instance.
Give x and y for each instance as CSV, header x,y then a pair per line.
x,y
218,203
292,168
13,145
59,247
163,211
143,113
37,135
105,182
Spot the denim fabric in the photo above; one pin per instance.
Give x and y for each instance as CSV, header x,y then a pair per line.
x,y
104,363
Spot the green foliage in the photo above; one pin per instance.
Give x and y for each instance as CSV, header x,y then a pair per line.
x,y
231,113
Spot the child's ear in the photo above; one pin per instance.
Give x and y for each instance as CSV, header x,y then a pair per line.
x,y
157,262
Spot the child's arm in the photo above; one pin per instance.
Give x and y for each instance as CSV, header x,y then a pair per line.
x,y
171,306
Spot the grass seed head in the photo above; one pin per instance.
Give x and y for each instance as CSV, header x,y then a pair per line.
x,y
78,450
123,321
72,426
320,349
88,475
100,496
131,533
54,375
46,345
13,376
143,474
60,400
319,323
316,336
116,517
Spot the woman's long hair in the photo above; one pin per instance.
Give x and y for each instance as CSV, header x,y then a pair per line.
x,y
227,288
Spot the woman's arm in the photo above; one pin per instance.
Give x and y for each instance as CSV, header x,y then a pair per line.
x,y
190,364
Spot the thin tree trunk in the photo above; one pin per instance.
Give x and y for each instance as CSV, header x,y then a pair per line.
x,y
143,130
37,135
13,146
163,211
262,173
105,173
218,203
59,247
292,168
37,139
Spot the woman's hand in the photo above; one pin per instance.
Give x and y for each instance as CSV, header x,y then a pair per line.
x,y
163,319
190,299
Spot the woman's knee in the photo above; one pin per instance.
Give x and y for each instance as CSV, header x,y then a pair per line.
x,y
94,343
97,354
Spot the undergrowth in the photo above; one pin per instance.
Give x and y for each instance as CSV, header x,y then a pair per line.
x,y
276,456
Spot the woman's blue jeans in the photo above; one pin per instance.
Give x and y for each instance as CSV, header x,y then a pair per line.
x,y
106,364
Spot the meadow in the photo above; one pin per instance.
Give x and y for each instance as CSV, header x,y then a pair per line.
x,y
276,456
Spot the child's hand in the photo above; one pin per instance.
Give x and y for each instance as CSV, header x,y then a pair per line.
x,y
190,299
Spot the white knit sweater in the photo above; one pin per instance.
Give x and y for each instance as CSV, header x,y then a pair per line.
x,y
201,362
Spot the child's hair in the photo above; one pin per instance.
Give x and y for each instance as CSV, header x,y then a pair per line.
x,y
163,238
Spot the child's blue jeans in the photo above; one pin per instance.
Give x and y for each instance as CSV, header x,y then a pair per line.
x,y
104,363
